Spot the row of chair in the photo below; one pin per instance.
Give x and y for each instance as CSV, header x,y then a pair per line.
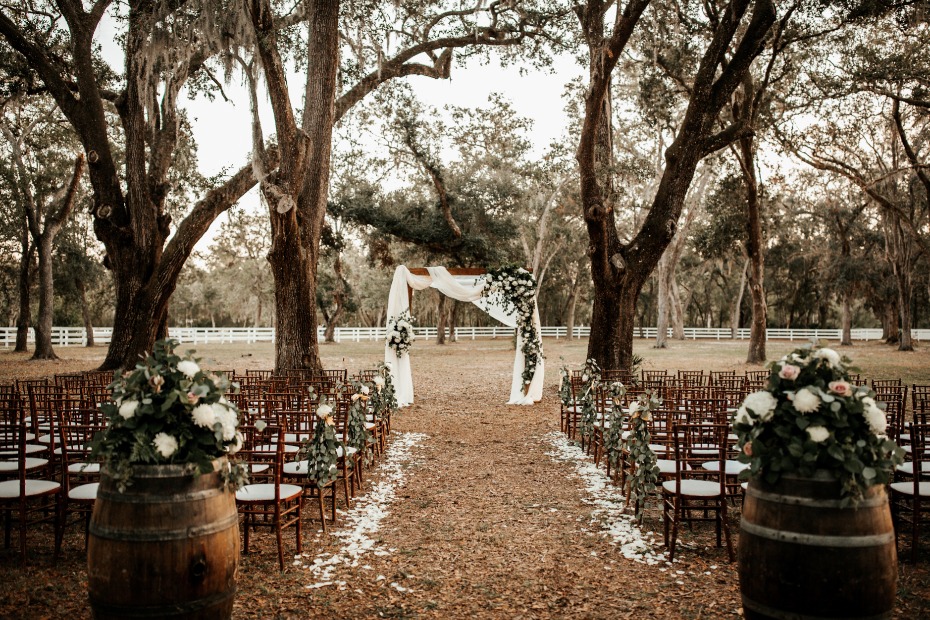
x,y
696,450
47,473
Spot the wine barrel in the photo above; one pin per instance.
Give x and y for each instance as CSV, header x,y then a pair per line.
x,y
803,555
167,547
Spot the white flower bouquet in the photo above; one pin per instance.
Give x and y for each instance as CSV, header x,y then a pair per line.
x,y
516,288
812,418
167,410
400,334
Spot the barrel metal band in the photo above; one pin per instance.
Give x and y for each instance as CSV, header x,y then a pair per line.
x,y
161,611
818,540
137,535
783,614
796,500
175,498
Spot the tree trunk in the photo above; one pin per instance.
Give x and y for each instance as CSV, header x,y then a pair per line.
x,y
755,251
25,311
890,322
620,270
905,294
43,327
662,303
738,303
453,320
441,320
570,312
85,313
676,311
846,320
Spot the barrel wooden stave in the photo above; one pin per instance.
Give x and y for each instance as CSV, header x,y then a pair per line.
x,y
802,555
166,547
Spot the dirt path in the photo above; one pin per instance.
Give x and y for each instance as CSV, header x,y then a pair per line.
x,y
490,524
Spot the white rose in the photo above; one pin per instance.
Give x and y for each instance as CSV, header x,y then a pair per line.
x,y
832,357
165,444
365,389
236,445
127,409
743,417
323,410
806,401
762,404
818,434
228,419
379,382
189,368
204,416
875,417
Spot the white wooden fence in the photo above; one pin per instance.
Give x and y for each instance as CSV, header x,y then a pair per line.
x,y
74,336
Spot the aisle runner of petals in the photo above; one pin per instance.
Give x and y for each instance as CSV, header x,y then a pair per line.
x,y
361,523
609,504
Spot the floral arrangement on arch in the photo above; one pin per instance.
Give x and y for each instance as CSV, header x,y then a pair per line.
x,y
168,410
812,418
515,287
400,334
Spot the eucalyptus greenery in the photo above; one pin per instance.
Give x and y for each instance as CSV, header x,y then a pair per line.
x,y
383,397
515,287
358,436
565,386
613,440
591,377
812,418
644,475
321,450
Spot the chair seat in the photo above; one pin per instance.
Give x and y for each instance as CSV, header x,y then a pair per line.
x,y
31,463
666,466
908,468
370,426
693,488
84,492
732,468
907,488
9,489
265,492
296,438
32,448
84,468
339,452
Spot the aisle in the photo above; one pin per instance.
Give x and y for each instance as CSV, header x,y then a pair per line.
x,y
485,522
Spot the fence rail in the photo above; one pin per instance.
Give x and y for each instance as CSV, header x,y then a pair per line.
x,y
75,336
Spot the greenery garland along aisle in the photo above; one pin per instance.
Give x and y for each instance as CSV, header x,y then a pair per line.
x,y
516,287
644,476
321,452
592,378
358,436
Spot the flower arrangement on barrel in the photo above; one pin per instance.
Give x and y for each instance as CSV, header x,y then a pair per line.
x,y
819,457
812,418
169,411
400,334
515,288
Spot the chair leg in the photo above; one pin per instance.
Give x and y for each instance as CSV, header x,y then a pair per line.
x,y
280,537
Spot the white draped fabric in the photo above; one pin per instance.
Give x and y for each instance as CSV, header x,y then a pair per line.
x,y
473,291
